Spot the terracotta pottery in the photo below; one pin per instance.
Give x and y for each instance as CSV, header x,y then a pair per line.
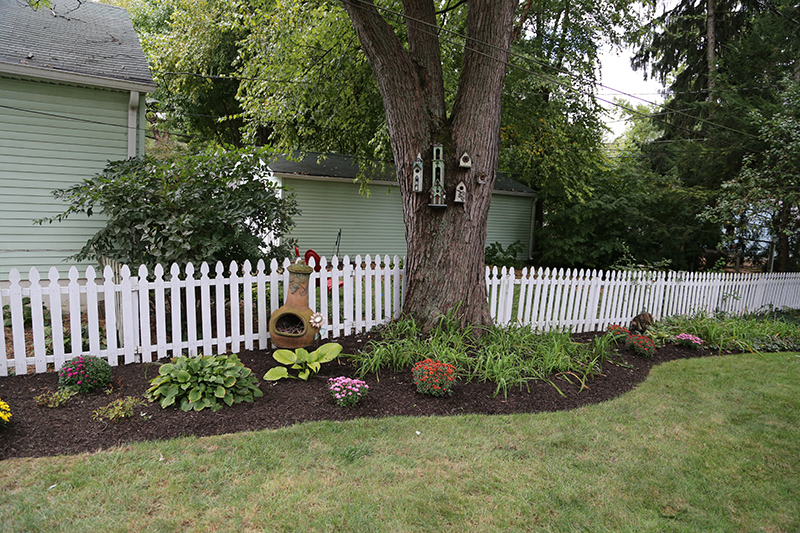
x,y
289,325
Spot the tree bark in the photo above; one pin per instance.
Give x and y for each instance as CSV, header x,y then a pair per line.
x,y
445,264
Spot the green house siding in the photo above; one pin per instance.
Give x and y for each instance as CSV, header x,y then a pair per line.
x,y
510,218
370,225
374,225
52,136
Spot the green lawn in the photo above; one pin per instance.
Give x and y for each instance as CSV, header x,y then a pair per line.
x,y
703,445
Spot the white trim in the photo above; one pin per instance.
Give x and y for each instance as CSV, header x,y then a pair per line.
x,y
79,79
133,123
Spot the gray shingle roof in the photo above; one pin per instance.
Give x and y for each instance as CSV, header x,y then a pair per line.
x,y
342,166
76,37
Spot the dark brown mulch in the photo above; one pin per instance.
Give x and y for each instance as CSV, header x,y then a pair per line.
x,y
40,431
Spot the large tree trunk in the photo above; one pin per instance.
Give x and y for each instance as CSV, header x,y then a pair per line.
x,y
445,263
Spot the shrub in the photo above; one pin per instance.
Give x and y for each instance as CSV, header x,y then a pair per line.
x,y
5,414
307,363
496,255
689,341
434,377
641,345
200,382
214,206
118,409
54,399
84,374
347,391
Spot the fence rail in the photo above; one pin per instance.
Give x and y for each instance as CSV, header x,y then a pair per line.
x,y
128,318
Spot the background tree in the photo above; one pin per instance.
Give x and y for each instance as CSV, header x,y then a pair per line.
x,y
763,200
711,126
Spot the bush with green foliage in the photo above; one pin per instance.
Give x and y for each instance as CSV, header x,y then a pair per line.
x,y
308,363
194,383
118,409
192,208
84,373
498,256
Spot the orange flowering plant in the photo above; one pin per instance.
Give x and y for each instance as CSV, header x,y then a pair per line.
x,y
641,345
434,378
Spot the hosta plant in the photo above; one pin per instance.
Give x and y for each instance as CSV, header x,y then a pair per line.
x,y
194,383
641,345
84,374
306,363
434,378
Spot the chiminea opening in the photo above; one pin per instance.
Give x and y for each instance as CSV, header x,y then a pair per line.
x,y
291,325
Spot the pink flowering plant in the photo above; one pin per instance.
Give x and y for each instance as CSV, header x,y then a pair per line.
x,y
689,341
84,374
347,391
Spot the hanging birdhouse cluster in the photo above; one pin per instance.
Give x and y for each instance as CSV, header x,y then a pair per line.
x,y
438,195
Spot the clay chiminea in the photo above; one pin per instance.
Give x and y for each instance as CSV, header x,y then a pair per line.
x,y
289,325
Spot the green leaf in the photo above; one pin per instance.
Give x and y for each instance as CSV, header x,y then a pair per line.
x,y
195,395
276,373
328,352
183,376
304,375
220,392
285,357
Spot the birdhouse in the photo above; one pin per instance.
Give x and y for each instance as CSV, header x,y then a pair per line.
x,y
461,193
418,174
437,180
482,179
465,161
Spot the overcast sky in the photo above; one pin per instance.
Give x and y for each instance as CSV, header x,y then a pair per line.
x,y
616,73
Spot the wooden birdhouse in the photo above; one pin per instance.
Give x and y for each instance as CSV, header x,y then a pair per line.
x,y
437,180
461,193
482,179
465,161
418,174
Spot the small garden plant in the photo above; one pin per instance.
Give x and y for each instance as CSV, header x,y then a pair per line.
x,y
5,414
434,378
641,345
347,391
54,398
307,363
118,409
617,333
194,383
688,341
84,374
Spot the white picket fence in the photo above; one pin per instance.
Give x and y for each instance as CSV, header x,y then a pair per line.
x,y
591,300
126,318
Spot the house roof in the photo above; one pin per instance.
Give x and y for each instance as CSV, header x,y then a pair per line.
x,y
73,41
345,167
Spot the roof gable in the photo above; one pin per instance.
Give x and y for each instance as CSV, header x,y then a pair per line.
x,y
345,167
72,38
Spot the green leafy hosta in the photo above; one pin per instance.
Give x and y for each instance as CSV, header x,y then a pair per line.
x,y
194,383
300,359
